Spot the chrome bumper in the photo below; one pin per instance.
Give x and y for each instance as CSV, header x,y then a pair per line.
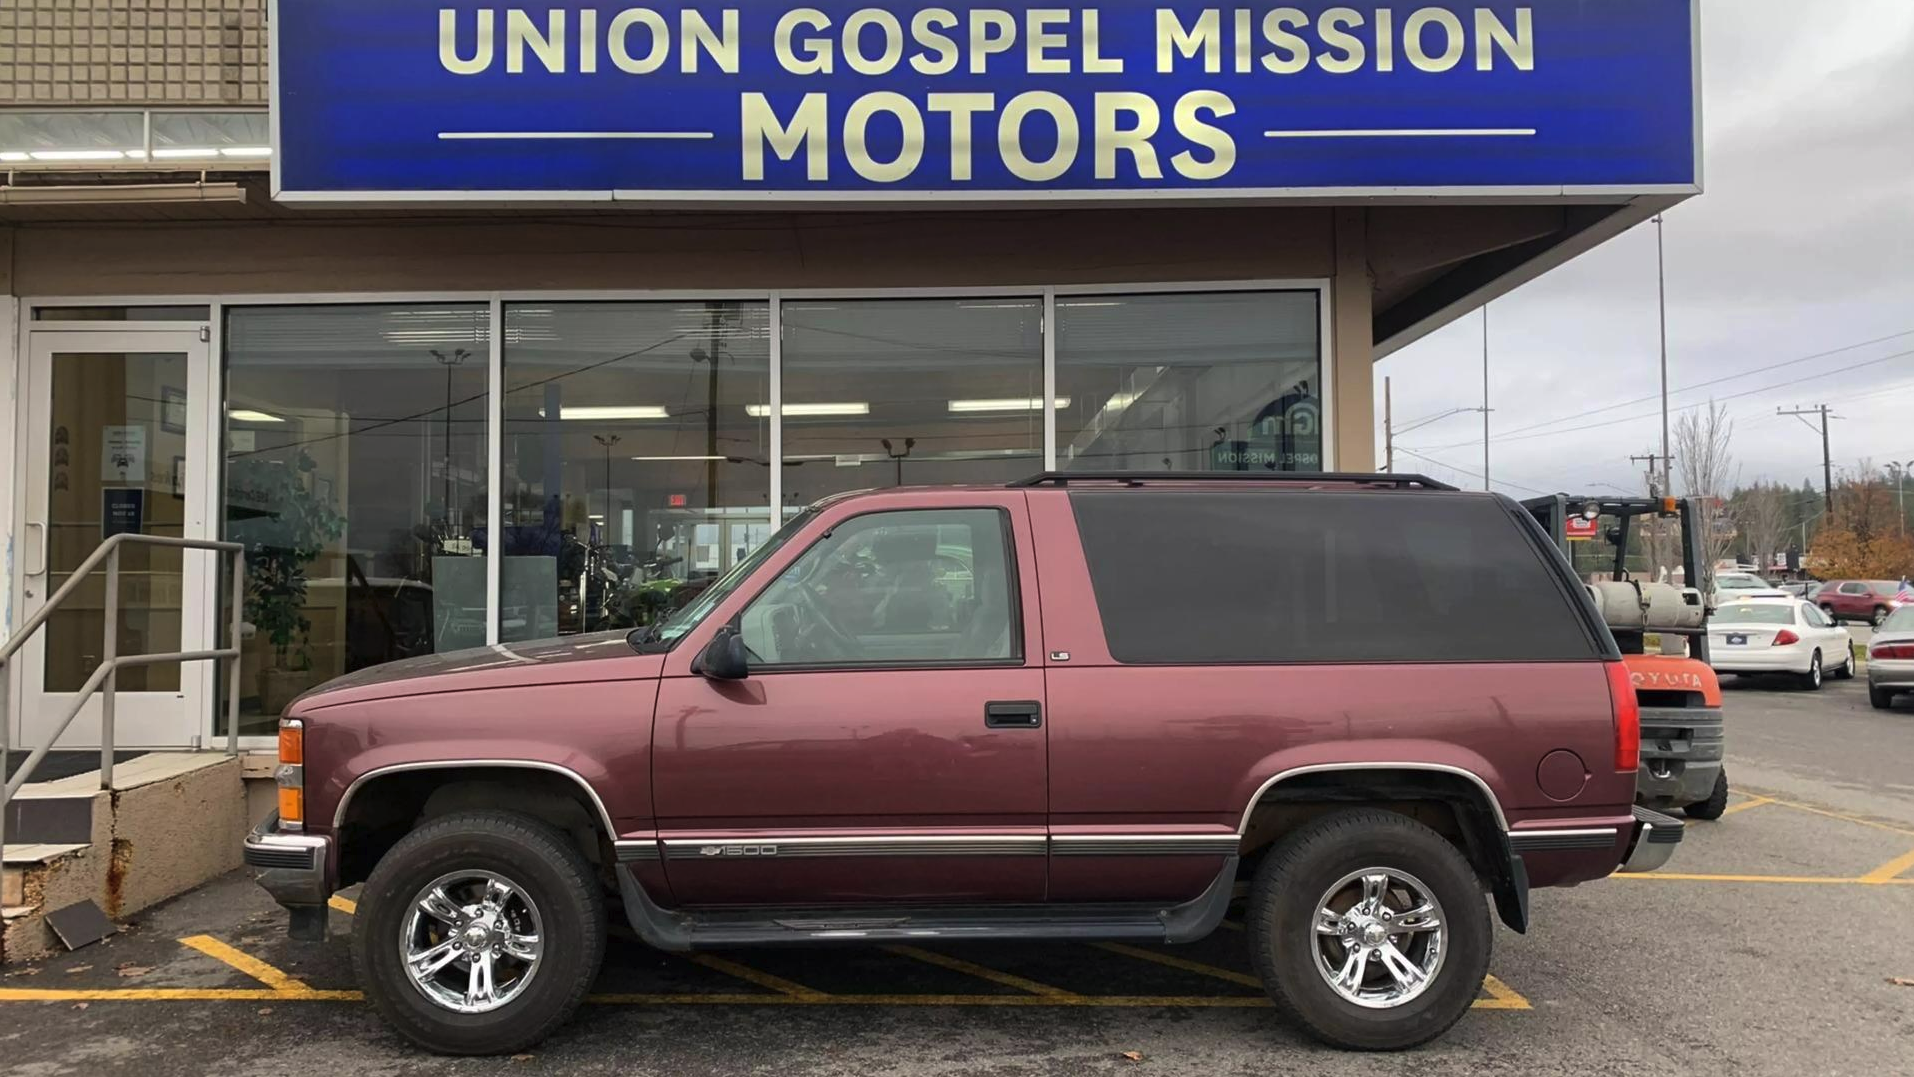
x,y
1653,842
291,867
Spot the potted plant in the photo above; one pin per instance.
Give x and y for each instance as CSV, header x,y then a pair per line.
x,y
285,525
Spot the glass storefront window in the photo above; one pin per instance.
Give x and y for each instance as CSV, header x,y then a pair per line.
x,y
1191,381
355,474
636,460
905,392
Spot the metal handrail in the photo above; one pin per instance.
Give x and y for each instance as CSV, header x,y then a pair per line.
x,y
106,675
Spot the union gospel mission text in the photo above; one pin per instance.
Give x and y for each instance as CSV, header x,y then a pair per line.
x,y
1123,127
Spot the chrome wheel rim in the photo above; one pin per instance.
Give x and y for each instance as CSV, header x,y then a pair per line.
x,y
1380,938
471,941
1814,670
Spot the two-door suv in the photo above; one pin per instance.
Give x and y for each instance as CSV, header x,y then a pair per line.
x,y
1080,707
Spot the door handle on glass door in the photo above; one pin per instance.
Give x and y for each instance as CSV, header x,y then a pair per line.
x,y
1013,714
42,528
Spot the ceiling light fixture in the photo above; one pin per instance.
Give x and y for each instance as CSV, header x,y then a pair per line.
x,y
1032,403
611,411
759,411
248,415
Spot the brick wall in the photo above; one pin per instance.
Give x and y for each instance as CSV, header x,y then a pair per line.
x,y
132,52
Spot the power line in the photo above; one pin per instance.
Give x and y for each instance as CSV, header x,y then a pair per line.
x,y
1466,471
1711,381
1687,407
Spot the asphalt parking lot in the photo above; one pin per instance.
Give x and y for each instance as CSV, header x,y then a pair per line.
x,y
1770,946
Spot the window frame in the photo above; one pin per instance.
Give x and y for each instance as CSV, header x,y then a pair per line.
x,y
1017,659
218,302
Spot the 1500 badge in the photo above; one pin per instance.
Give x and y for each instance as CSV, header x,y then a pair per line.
x,y
737,850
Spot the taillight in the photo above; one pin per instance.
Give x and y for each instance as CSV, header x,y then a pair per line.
x,y
1784,637
1891,650
291,775
1628,718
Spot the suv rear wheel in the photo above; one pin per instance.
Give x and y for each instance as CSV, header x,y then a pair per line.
x,y
1370,930
479,933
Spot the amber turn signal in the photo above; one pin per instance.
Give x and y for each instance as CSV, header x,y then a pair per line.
x,y
292,805
292,742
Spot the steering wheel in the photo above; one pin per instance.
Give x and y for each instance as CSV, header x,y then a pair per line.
x,y
817,636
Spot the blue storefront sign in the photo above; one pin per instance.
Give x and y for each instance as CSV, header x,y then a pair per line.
x,y
864,100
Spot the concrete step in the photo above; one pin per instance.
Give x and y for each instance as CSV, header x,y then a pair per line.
x,y
172,821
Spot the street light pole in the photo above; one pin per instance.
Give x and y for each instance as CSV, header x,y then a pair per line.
x,y
1900,488
1661,303
1485,397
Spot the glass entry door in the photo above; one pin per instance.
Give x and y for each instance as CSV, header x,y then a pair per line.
x,y
117,442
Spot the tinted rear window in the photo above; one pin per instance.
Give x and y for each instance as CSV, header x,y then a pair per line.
x,y
1244,577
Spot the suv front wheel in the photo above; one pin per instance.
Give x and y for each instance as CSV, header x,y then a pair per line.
x,y
1370,930
479,933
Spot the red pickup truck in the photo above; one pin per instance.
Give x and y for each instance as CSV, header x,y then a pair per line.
x,y
1080,707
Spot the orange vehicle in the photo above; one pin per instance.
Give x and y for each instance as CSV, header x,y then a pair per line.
x,y
1683,735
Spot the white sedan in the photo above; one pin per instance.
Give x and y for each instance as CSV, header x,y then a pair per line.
x,y
1777,633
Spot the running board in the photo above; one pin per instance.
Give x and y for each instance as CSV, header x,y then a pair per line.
x,y
680,930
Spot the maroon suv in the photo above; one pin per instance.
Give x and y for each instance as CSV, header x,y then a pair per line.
x,y
1868,601
1082,707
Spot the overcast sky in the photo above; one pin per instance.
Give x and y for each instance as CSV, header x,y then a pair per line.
x,y
1803,242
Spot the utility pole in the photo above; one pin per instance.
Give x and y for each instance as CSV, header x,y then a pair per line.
x,y
1666,484
1900,488
1827,458
1388,431
1485,397
1661,302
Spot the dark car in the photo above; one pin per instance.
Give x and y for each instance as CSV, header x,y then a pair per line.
x,y
1384,706
1869,601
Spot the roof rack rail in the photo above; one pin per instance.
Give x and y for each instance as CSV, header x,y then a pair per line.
x,y
1398,480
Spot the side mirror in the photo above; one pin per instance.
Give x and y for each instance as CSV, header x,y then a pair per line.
x,y
723,659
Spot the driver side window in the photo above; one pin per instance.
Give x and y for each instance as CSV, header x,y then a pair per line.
x,y
893,588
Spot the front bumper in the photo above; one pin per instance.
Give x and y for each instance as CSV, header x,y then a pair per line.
x,y
292,868
1653,842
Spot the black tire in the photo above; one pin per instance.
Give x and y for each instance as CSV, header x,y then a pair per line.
x,y
1716,803
554,876
1281,925
1880,697
1845,671
1811,680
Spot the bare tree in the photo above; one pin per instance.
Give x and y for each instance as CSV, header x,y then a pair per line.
x,y
1763,513
1702,441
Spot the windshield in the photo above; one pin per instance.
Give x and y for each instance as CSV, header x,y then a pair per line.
x,y
1750,613
673,628
1740,583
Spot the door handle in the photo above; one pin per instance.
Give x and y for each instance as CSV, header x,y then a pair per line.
x,y
1014,714
42,528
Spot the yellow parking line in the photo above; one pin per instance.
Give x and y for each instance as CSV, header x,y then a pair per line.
x,y
979,971
1826,880
1891,870
1501,997
1751,802
1174,962
762,979
174,994
248,964
1814,810
343,904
